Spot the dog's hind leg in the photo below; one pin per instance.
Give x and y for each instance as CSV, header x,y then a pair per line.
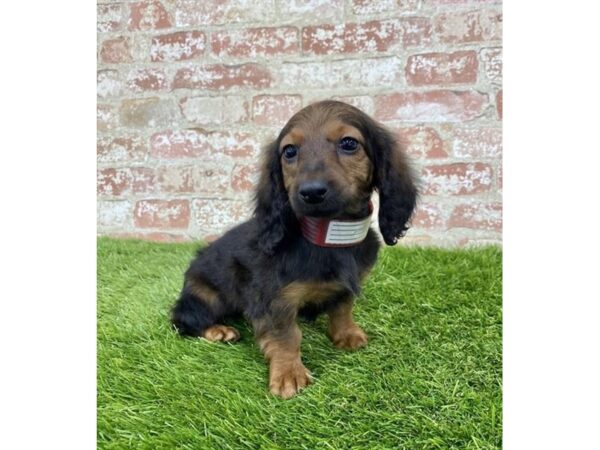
x,y
197,312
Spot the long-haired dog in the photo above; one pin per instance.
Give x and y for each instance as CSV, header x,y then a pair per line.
x,y
308,246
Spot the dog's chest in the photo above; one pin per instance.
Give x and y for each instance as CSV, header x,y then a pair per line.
x,y
302,293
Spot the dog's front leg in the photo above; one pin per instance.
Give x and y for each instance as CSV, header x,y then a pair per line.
x,y
343,331
279,339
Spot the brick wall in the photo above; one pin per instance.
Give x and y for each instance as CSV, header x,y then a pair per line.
x,y
188,92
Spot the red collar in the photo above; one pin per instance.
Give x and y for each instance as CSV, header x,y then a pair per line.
x,y
336,233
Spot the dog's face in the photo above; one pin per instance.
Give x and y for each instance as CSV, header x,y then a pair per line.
x,y
326,169
326,162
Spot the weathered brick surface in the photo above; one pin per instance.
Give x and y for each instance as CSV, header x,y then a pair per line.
x,y
117,149
206,179
188,92
274,110
107,118
252,42
347,73
116,50
491,58
148,112
109,84
202,144
245,177
442,68
431,106
457,178
416,31
474,143
202,13
162,214
368,37
148,15
111,17
215,110
143,80
499,104
379,6
422,142
470,26
312,11
220,77
179,46
483,216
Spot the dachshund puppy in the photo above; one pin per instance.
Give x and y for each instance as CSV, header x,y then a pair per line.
x,y
308,246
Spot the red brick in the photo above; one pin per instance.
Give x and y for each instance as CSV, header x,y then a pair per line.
x,y
477,142
143,80
107,118
212,179
216,215
215,110
219,76
179,46
110,17
109,84
491,58
422,142
379,6
469,26
431,106
457,179
244,177
476,215
161,214
121,181
202,13
442,68
155,236
499,104
428,215
114,51
205,145
255,42
117,149
363,102
416,31
274,110
148,15
369,37
348,73
148,112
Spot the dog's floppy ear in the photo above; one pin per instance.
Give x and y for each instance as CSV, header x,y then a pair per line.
x,y
395,182
272,203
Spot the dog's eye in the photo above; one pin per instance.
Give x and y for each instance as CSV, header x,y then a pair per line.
x,y
348,144
290,151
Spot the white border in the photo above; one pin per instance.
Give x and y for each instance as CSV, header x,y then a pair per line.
x,y
551,227
48,332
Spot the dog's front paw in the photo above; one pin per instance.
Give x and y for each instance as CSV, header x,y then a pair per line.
x,y
287,379
350,338
221,333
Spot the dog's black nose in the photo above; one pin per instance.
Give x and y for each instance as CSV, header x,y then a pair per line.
x,y
313,191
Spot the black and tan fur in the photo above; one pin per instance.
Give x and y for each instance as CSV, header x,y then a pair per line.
x,y
266,270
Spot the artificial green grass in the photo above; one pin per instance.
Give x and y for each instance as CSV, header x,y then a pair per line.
x,y
429,378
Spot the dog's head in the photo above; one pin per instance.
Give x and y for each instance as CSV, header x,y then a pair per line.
x,y
326,162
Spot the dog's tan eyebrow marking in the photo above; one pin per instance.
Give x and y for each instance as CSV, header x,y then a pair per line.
x,y
294,137
337,130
